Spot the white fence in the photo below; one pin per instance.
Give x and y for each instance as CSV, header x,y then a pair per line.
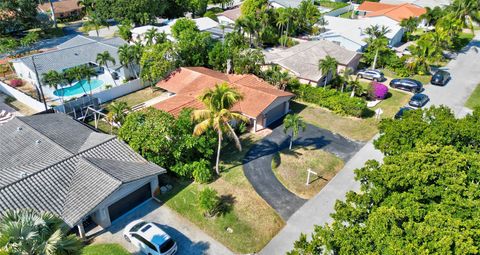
x,y
118,91
340,11
20,96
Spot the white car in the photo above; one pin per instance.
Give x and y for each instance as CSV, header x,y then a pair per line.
x,y
149,238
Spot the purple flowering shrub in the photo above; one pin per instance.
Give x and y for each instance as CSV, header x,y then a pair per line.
x,y
377,90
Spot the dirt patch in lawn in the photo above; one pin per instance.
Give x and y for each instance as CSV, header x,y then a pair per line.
x,y
290,168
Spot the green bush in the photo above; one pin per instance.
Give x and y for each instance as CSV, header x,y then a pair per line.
x,y
333,100
208,201
210,14
202,171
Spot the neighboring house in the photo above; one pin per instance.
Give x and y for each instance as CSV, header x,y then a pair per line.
x,y
285,3
421,3
262,103
53,163
229,17
80,50
204,24
63,8
396,12
302,59
350,34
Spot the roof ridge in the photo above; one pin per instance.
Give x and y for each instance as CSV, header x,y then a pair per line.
x,y
253,88
94,165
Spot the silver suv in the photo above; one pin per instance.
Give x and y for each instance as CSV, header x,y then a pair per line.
x,y
371,74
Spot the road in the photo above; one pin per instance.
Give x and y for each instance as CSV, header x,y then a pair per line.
x,y
465,77
190,239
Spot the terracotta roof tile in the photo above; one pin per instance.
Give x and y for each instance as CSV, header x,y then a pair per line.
x,y
189,82
61,6
397,12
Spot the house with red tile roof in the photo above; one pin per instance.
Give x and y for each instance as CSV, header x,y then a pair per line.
x,y
63,9
262,103
396,12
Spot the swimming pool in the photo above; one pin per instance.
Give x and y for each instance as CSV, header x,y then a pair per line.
x,y
77,89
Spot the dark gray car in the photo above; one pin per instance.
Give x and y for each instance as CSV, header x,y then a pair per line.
x,y
440,77
371,74
407,84
419,100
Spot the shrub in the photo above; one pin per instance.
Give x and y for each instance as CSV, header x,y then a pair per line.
x,y
16,83
210,14
9,99
208,201
333,100
202,171
377,90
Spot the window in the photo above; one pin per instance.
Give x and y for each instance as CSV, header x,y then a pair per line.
x,y
143,240
138,226
167,245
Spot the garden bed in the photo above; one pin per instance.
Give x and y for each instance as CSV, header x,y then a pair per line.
x,y
290,168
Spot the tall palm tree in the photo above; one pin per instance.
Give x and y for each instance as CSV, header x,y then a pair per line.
x,y
89,5
432,15
52,11
96,21
77,73
346,77
281,21
376,33
87,74
125,30
410,25
103,59
150,36
295,123
125,55
218,115
33,233
467,11
328,66
117,111
54,79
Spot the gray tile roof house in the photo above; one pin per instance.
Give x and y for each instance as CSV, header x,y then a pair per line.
x,y
53,163
302,59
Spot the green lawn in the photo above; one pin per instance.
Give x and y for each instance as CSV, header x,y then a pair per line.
x,y
354,128
253,221
474,99
346,15
290,168
104,249
140,96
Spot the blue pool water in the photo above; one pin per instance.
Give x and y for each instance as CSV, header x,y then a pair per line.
x,y
77,89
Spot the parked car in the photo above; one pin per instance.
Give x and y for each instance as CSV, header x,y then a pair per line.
x,y
402,111
440,77
407,84
370,74
149,238
419,100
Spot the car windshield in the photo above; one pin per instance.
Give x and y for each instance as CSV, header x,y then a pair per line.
x,y
417,97
138,226
438,75
167,245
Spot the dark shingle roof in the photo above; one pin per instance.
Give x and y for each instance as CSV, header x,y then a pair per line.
x,y
69,180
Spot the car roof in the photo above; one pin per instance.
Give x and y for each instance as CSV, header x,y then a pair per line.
x,y
419,96
441,72
154,234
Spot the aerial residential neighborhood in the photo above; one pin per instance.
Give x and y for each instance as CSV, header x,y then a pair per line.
x,y
239,127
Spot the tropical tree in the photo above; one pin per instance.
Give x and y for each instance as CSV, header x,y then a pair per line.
x,y
328,66
87,74
95,21
52,11
30,39
76,73
157,61
432,15
282,20
468,11
31,232
125,30
128,56
89,5
293,122
347,77
117,112
54,79
410,25
103,59
150,36
218,116
377,36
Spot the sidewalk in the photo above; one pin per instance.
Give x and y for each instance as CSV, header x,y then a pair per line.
x,y
318,209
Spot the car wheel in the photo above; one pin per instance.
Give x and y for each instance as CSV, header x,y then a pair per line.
x,y
414,91
360,76
375,79
127,238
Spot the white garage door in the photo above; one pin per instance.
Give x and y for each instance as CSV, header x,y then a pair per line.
x,y
275,113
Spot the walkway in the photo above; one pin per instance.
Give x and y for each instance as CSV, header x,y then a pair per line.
x,y
317,210
258,164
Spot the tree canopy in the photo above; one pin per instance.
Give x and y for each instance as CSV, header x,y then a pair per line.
x,y
423,199
138,11
17,15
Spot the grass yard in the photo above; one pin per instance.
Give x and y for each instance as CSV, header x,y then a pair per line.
x,y
253,221
104,249
474,99
140,96
290,169
352,128
347,15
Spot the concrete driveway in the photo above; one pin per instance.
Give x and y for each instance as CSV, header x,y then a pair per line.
x,y
257,164
190,239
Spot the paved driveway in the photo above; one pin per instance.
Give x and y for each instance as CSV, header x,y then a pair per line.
x,y
190,239
258,164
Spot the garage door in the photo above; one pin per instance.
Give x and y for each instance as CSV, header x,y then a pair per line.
x,y
129,202
275,114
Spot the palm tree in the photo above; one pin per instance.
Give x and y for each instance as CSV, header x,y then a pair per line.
x,y
89,5
53,79
354,85
295,123
96,21
150,36
52,11
281,21
30,232
346,77
87,74
432,15
410,25
125,30
117,111
467,11
376,34
218,115
328,66
77,73
103,59
125,55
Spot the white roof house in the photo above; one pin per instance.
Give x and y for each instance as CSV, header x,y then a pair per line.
x,y
349,33
203,24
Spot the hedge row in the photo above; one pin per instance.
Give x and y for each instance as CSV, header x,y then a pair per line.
x,y
333,100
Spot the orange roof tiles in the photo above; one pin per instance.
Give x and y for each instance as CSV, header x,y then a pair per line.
x,y
397,12
189,82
